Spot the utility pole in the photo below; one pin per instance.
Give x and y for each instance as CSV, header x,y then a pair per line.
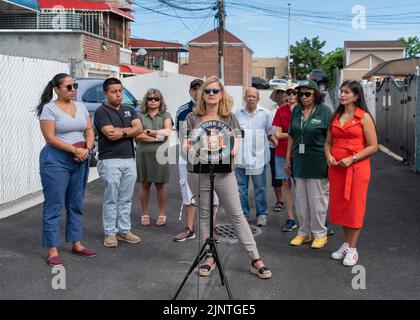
x,y
221,15
288,48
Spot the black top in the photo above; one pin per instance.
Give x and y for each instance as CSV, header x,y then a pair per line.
x,y
122,118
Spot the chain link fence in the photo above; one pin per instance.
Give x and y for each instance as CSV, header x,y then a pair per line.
x,y
22,81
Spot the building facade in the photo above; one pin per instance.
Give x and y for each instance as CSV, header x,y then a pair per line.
x,y
93,34
203,58
360,57
269,68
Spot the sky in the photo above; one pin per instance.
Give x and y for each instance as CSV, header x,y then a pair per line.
x,y
263,24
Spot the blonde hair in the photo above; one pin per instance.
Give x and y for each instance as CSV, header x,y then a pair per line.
x,y
156,93
225,104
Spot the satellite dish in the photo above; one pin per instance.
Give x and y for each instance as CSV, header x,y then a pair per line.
x,y
141,52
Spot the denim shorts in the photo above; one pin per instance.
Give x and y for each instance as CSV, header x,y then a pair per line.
x,y
280,173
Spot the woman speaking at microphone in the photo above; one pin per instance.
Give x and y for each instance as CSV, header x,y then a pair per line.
x,y
214,104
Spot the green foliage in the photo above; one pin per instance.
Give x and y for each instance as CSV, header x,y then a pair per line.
x,y
412,45
307,53
332,61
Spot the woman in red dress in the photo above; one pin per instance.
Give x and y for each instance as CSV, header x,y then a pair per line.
x,y
351,140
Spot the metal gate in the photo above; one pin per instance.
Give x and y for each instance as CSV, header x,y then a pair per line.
x,y
395,116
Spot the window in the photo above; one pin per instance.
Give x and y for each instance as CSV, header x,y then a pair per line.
x,y
96,95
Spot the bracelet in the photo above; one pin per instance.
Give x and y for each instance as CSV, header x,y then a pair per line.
x,y
354,158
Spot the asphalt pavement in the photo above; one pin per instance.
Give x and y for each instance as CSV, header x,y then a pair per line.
x,y
388,267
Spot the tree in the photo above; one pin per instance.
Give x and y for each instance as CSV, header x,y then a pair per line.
x,y
306,53
412,45
332,61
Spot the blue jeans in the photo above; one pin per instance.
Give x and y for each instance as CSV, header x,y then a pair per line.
x,y
260,190
63,183
119,176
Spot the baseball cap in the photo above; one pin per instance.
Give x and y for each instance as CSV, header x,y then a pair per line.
x,y
307,84
196,82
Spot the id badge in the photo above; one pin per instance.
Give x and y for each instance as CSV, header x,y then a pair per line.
x,y
301,148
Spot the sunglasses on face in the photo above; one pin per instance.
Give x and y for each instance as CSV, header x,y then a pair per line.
x,y
290,92
211,90
306,94
72,86
153,99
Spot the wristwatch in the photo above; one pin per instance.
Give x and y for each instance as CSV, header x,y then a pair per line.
x,y
354,159
148,131
125,134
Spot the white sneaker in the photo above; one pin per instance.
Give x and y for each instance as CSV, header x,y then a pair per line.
x,y
340,253
262,220
351,257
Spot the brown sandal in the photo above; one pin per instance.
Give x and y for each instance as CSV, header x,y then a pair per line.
x,y
205,269
145,220
263,272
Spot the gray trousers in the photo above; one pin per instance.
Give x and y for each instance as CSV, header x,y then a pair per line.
x,y
311,206
227,189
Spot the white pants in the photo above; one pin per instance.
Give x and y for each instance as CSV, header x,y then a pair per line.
x,y
311,206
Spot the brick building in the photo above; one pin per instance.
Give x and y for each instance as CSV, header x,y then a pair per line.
x,y
203,58
156,51
94,34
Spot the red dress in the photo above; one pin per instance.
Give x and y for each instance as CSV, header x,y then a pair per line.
x,y
348,186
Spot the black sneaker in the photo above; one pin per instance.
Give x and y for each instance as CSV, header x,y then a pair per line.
x,y
279,206
330,232
289,226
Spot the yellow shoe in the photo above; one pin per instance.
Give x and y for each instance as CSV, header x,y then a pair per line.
x,y
318,243
299,240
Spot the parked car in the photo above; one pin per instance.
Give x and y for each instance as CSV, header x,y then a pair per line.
x,y
90,92
320,77
260,83
274,82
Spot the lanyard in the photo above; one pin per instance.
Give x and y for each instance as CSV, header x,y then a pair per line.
x,y
303,123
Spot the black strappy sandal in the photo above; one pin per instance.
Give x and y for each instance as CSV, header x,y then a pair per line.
x,y
263,272
204,270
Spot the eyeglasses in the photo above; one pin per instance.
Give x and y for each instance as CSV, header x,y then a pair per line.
x,y
307,94
70,87
211,90
290,92
153,99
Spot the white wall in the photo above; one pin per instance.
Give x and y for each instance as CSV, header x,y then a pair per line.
x,y
174,88
21,84
170,66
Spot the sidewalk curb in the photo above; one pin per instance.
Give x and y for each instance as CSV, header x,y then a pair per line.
x,y
34,199
390,153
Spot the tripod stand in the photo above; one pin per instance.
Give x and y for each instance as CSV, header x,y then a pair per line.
x,y
211,242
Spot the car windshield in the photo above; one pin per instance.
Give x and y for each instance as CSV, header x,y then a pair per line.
x,y
96,95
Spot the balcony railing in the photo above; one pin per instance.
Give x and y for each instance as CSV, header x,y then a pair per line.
x,y
89,22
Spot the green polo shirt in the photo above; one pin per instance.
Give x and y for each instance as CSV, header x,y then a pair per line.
x,y
152,123
312,164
